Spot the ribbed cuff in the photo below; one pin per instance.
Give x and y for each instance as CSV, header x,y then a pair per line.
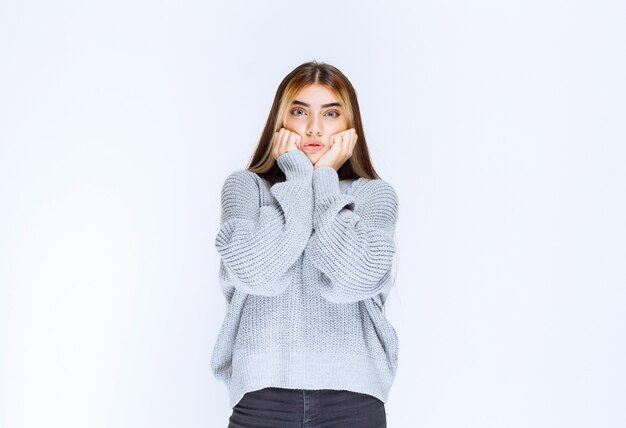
x,y
325,182
295,164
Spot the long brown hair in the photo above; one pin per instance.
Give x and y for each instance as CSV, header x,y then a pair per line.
x,y
358,165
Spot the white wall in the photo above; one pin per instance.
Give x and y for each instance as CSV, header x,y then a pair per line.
x,y
500,124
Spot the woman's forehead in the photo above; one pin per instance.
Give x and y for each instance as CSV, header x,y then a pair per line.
x,y
317,94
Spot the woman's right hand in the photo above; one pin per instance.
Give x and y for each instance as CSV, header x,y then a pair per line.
x,y
284,141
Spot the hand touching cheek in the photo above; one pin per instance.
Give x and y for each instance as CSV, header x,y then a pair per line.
x,y
341,148
285,141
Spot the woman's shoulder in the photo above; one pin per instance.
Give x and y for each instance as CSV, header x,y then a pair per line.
x,y
241,180
373,186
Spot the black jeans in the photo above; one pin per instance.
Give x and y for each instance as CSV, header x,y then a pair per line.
x,y
306,408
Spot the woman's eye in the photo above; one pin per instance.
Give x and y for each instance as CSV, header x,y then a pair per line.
x,y
295,111
334,113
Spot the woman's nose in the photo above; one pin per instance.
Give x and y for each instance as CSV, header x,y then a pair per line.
x,y
314,127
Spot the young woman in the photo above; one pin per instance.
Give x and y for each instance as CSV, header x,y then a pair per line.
x,y
306,242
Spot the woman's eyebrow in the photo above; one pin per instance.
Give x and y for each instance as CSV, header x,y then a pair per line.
x,y
323,105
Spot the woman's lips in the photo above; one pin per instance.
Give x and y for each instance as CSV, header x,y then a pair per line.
x,y
313,146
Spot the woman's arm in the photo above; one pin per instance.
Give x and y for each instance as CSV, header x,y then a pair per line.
x,y
353,239
259,245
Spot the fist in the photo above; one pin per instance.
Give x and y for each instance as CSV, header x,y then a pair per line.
x,y
341,149
284,141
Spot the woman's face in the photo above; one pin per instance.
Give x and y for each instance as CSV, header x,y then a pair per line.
x,y
315,114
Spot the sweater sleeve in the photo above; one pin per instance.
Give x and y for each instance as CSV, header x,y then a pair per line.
x,y
259,245
353,240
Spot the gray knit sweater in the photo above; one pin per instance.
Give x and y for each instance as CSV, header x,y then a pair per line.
x,y
305,268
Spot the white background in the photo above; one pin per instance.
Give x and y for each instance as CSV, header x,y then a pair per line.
x,y
501,124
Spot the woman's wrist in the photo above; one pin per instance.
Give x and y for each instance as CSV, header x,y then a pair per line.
x,y
295,165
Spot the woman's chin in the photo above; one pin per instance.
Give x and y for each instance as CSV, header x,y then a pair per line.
x,y
313,157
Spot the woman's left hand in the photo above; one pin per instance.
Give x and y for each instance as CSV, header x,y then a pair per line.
x,y
341,148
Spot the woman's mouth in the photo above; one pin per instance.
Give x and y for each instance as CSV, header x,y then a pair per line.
x,y
313,146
